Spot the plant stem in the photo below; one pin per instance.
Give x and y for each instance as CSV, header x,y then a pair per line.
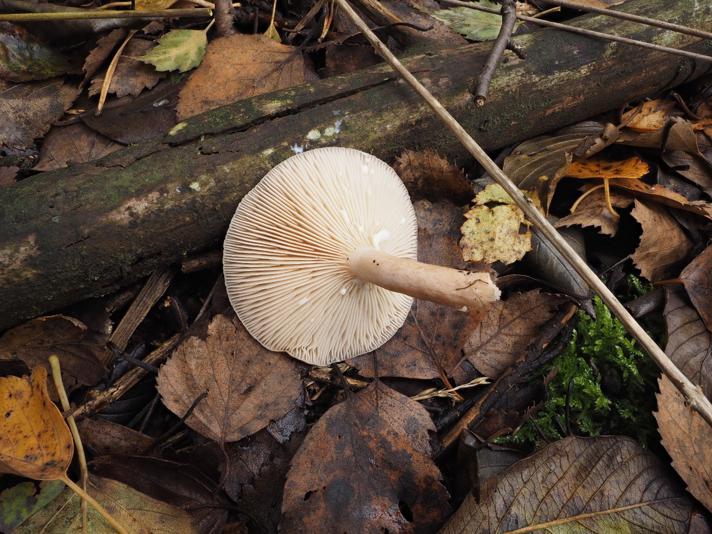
x,y
107,14
95,504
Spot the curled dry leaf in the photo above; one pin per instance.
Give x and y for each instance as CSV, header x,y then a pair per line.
x,y
240,66
137,512
428,175
663,244
649,116
131,76
80,352
25,58
247,386
495,229
593,211
688,440
365,466
504,334
605,484
697,278
34,439
72,144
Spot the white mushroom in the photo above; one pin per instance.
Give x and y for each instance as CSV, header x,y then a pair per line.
x,y
320,258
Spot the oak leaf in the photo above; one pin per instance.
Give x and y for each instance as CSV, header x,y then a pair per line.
x,y
365,466
605,484
34,439
697,279
246,385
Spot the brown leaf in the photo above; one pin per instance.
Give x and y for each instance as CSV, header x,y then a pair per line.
x,y
661,195
691,166
72,144
504,334
102,51
240,66
649,116
80,352
663,244
34,439
592,211
365,466
104,437
631,168
7,175
622,487
131,75
430,176
432,334
688,440
689,343
697,278
25,58
247,386
29,109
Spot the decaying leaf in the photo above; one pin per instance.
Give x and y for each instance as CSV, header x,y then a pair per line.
x,y
649,116
697,278
131,76
365,466
689,343
504,334
631,168
688,440
102,51
80,352
663,244
180,50
428,175
101,436
496,233
72,144
137,512
29,109
246,385
693,167
24,499
24,58
475,25
34,439
605,484
240,66
593,211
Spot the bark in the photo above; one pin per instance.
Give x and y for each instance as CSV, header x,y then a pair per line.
x,y
87,230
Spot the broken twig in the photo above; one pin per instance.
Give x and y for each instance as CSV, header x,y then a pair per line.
x,y
509,19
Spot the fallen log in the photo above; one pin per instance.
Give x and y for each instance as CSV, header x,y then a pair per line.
x,y
85,231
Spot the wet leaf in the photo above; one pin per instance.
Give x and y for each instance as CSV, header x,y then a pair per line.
x,y
496,232
593,212
80,352
180,50
34,439
102,51
137,512
25,58
75,143
631,168
663,244
24,499
246,385
504,334
29,109
649,116
473,24
697,278
365,466
263,64
430,176
131,76
688,440
622,486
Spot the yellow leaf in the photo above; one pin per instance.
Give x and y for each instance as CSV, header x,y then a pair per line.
x,y
34,439
632,168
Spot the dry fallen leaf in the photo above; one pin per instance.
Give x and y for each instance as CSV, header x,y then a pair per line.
x,y
34,439
131,75
247,386
593,211
649,116
72,144
365,466
24,499
104,437
604,484
240,66
688,440
663,244
661,195
697,278
428,175
80,352
504,334
495,229
180,50
102,51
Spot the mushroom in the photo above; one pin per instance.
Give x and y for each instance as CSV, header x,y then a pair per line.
x,y
320,258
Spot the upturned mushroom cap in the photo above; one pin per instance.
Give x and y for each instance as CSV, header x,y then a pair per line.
x,y
286,251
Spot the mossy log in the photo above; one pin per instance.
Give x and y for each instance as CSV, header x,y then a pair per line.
x,y
86,230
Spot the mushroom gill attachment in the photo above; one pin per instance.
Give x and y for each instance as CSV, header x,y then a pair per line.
x,y
288,255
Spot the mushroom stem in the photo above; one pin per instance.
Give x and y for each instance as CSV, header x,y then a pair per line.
x,y
452,287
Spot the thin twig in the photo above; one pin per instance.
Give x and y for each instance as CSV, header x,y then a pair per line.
x,y
509,19
630,16
588,33
693,394
107,14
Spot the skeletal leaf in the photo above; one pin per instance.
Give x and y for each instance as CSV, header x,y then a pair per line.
x,y
180,50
